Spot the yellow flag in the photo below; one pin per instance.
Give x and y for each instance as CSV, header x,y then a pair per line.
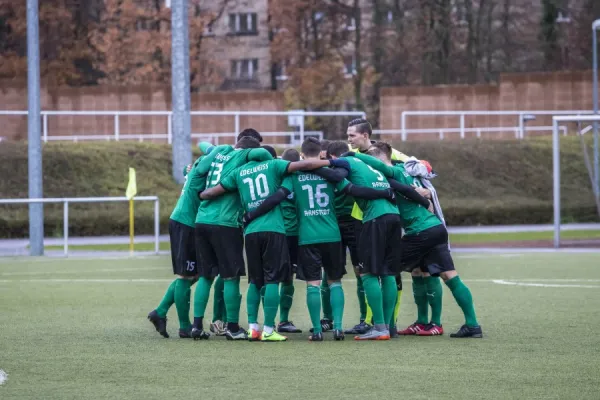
x,y
132,186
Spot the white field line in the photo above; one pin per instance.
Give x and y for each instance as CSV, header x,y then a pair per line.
x,y
83,270
547,285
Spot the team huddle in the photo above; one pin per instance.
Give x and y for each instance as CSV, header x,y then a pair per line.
x,y
299,215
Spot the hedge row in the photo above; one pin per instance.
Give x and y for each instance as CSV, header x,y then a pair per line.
x,y
479,183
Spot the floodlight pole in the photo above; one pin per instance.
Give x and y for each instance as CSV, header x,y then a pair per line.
x,y
595,27
34,162
180,87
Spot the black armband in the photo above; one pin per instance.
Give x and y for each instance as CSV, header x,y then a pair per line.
x,y
409,192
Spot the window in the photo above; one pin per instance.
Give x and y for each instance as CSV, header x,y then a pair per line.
x,y
280,71
208,30
243,24
349,66
390,17
244,69
351,23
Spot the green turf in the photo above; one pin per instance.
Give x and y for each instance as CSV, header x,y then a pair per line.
x,y
89,339
457,238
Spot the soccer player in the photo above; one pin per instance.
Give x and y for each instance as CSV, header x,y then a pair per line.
x,y
425,252
378,245
324,145
359,137
183,255
218,235
290,219
266,247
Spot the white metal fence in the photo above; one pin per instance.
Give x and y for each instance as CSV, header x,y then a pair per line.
x,y
520,129
67,200
296,118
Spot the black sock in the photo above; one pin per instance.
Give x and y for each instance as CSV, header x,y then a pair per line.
x,y
233,326
197,323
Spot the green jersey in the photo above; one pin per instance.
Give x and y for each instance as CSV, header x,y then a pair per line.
x,y
224,210
288,208
362,174
315,206
255,181
415,218
187,206
343,205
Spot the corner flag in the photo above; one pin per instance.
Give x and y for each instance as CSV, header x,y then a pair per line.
x,y
132,185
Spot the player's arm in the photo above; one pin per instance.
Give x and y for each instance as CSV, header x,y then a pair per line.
x,y
259,155
227,184
310,165
376,164
267,205
365,192
333,175
409,192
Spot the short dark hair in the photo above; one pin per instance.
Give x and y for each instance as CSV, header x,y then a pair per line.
x,y
379,148
325,144
337,148
247,142
270,149
311,147
251,133
291,155
361,125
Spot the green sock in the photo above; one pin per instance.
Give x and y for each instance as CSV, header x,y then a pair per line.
x,y
167,301
201,296
463,297
420,294
233,298
262,293
325,299
434,296
286,298
389,294
362,302
218,300
313,302
182,302
337,304
271,303
374,297
252,303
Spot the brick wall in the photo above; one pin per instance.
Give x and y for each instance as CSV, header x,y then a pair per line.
x,y
13,96
571,90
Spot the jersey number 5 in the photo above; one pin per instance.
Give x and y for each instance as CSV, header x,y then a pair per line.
x,y
379,174
262,188
322,197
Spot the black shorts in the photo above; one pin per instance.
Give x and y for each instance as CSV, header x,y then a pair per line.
x,y
379,245
313,258
220,251
268,258
292,243
183,250
350,229
427,250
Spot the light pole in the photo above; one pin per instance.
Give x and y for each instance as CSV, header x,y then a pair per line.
x,y
34,162
595,27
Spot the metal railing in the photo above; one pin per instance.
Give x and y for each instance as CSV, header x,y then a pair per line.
x,y
214,138
522,118
515,130
299,114
67,200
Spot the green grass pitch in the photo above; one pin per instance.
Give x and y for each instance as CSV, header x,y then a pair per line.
x,y
77,329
